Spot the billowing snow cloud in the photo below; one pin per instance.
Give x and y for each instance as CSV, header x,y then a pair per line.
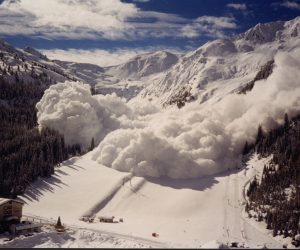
x,y
198,141
71,109
191,142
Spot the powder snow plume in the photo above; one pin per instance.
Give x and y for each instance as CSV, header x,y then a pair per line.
x,y
70,109
194,141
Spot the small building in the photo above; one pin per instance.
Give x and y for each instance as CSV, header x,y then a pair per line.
x,y
10,217
10,210
107,219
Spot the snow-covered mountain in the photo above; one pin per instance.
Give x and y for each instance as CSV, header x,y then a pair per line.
x,y
221,66
29,65
89,73
124,79
215,69
144,65
130,78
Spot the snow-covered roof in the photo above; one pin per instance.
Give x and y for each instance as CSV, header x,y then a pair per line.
x,y
5,200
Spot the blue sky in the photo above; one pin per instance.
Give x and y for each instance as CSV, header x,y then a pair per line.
x,y
122,28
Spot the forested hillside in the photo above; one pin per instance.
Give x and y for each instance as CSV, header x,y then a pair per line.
x,y
276,197
26,153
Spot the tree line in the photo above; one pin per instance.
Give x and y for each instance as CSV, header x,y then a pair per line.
x,y
25,152
275,198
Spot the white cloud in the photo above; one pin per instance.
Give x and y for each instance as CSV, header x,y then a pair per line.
x,y
102,57
209,25
59,18
291,5
91,19
237,6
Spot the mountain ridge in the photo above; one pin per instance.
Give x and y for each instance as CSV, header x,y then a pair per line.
x,y
159,76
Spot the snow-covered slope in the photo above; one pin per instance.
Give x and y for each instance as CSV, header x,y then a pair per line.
x,y
219,67
128,79
36,53
124,80
89,73
29,65
184,213
144,65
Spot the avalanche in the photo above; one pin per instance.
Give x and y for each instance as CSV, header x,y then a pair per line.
x,y
191,142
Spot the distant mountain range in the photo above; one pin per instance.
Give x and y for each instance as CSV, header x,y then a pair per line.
x,y
215,69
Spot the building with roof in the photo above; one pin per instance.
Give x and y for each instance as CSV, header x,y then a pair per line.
x,y
10,217
10,210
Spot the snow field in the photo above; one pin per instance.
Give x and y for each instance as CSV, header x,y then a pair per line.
x,y
74,189
184,213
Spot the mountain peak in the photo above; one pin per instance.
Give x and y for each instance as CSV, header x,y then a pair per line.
x,y
145,64
269,32
262,32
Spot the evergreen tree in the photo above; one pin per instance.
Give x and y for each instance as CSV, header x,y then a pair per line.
x,y
93,90
286,121
92,144
246,148
58,223
259,136
269,198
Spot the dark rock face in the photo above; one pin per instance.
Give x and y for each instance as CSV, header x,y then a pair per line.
x,y
264,73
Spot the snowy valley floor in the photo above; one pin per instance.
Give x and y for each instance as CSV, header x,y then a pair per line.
x,y
185,213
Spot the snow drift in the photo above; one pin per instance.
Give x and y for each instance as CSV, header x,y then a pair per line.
x,y
191,142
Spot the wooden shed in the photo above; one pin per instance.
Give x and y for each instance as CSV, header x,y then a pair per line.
x,y
10,209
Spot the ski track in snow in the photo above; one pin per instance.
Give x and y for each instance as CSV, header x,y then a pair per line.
x,y
110,195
